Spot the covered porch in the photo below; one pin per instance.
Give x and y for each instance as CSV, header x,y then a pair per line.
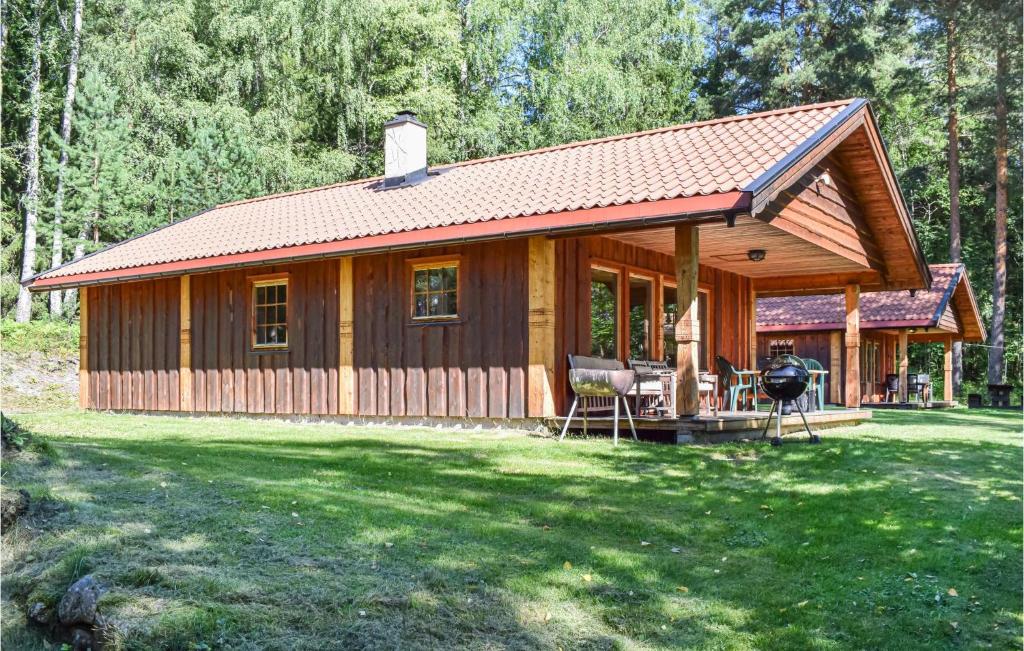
x,y
684,292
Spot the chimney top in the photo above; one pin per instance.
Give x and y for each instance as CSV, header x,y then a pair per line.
x,y
402,117
405,150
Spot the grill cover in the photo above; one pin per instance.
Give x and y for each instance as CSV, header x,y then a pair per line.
x,y
786,378
601,382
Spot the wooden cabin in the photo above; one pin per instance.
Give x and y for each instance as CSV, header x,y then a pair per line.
x,y
458,291
813,326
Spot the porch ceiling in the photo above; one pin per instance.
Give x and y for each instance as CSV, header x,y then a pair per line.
x,y
726,248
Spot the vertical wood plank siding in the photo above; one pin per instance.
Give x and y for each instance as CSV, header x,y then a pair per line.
x,y
729,307
474,365
230,377
133,345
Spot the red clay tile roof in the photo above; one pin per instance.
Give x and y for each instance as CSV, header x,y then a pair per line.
x,y
703,158
876,308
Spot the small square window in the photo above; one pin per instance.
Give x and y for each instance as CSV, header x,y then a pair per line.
x,y
435,290
777,347
270,313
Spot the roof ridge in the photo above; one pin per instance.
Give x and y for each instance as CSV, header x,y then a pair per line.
x,y
563,146
656,130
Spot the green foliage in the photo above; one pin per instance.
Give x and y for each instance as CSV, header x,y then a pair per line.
x,y
57,338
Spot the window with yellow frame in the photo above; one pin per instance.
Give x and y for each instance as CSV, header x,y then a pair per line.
x,y
270,312
435,289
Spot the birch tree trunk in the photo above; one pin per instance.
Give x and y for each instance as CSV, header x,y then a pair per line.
x,y
57,251
953,135
996,368
30,199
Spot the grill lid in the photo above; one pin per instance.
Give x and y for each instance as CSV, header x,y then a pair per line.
x,y
785,378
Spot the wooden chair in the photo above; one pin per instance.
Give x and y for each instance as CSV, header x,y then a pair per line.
x,y
919,384
737,386
817,387
654,388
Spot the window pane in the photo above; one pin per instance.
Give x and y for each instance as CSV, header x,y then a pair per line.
x,y
603,313
282,293
449,277
421,305
281,316
261,315
420,280
434,304
434,279
668,324
640,291
261,295
453,303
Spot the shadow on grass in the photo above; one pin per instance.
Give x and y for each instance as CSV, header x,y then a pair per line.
x,y
448,545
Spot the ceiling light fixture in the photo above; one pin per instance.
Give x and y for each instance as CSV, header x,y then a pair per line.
x,y
756,255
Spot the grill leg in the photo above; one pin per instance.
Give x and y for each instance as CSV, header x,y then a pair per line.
x,y
615,424
777,441
814,437
572,410
632,427
768,422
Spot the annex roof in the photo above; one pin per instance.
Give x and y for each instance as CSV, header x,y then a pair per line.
x,y
951,290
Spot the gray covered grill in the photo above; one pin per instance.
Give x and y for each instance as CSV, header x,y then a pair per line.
x,y
594,377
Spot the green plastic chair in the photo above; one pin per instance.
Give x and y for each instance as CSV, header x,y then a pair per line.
x,y
819,383
734,383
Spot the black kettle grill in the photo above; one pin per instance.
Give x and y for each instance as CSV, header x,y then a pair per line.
x,y
784,380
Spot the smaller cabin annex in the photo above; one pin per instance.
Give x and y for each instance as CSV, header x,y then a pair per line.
x,y
814,327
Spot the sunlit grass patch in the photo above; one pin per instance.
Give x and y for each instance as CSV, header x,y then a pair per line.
x,y
245,533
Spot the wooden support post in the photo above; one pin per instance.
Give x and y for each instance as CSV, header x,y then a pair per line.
x,y
947,369
904,365
346,339
185,345
687,329
753,328
83,348
853,346
541,338
835,368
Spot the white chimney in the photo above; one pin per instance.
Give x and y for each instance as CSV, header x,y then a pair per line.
x,y
405,149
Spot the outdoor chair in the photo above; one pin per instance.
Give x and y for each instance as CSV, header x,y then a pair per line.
x,y
892,387
817,385
919,384
738,385
656,386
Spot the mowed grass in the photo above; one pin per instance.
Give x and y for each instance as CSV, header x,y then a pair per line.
x,y
244,534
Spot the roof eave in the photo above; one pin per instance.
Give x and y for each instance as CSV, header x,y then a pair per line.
x,y
582,222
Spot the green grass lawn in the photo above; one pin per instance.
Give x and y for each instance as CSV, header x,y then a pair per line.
x,y
218,533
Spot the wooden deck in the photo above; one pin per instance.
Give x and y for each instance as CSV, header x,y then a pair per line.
x,y
706,428
931,404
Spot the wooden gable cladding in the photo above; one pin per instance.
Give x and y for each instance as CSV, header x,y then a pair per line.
x,y
470,366
229,376
821,207
869,177
730,306
133,345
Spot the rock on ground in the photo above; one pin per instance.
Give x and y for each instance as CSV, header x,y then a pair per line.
x,y
78,605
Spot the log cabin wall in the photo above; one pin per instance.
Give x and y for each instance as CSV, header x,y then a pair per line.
x,y
228,376
133,345
729,305
472,366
